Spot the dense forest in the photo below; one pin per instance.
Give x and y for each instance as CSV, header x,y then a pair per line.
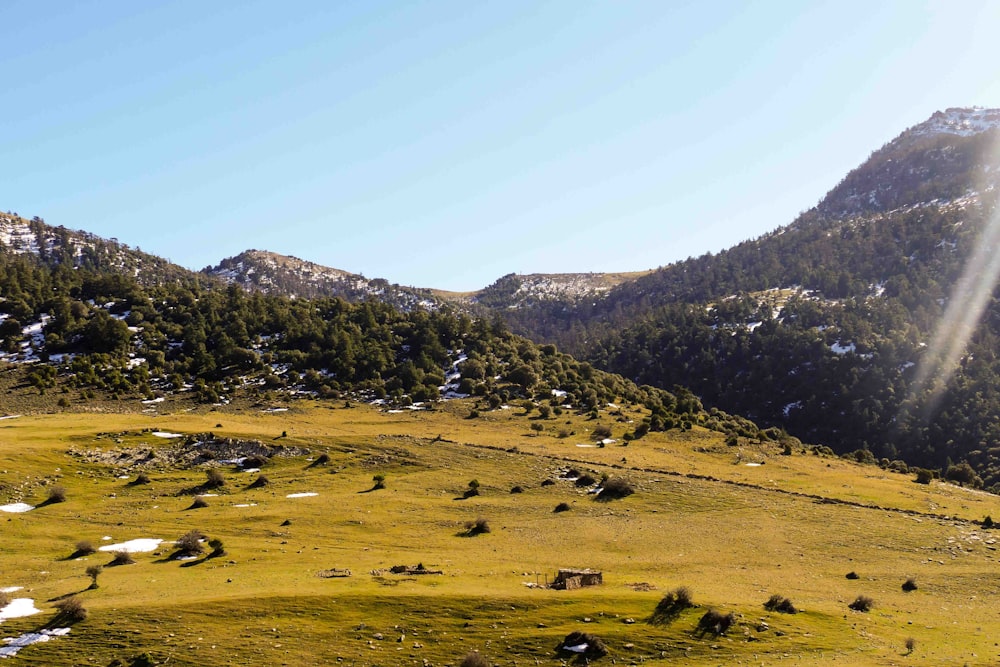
x,y
101,331
820,327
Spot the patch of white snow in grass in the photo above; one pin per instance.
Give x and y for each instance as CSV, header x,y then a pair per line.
x,y
165,434
15,644
139,545
19,608
16,508
301,495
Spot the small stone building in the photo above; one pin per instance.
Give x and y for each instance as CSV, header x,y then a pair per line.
x,y
570,579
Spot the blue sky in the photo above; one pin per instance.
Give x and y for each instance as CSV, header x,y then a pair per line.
x,y
444,144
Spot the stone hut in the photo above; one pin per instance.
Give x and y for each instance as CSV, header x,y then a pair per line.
x,y
570,579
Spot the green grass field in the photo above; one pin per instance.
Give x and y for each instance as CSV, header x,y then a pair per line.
x,y
700,517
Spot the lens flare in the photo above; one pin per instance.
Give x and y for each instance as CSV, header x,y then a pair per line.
x,y
968,300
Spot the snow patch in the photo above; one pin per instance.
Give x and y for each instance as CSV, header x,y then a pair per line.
x,y
306,494
15,644
16,508
139,545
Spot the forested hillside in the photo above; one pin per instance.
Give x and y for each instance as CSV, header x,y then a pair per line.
x,y
84,332
820,327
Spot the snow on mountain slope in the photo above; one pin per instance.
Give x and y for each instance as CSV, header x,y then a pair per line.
x,y
964,122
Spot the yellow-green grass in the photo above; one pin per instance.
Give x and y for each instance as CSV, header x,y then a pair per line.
x,y
732,544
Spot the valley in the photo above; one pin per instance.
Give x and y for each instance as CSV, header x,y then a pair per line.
x,y
700,517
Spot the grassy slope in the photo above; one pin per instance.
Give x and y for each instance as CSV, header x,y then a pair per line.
x,y
732,544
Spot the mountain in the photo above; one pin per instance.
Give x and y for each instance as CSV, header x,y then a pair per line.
x,y
76,335
516,291
271,273
825,326
83,250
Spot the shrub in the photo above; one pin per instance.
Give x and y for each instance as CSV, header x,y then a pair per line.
x,y
57,494
84,548
988,522
141,479
911,644
964,475
780,604
563,433
671,605
214,479
537,428
218,549
260,482
71,610
4,599
198,503
517,489
910,584
122,557
321,460
862,603
924,476
596,648
94,571
602,431
585,480
473,659
562,507
477,527
253,462
852,575
716,622
190,544
548,482
473,489
378,481
614,489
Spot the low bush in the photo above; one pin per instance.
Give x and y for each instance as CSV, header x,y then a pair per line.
x,y
614,489
602,431
218,549
671,605
84,548
716,622
321,460
71,610
474,659
141,479
94,571
517,489
122,557
477,527
190,544
780,604
253,462
548,482
862,603
378,481
4,599
472,490
910,585
198,503
562,507
924,476
57,494
585,480
852,575
594,646
259,483
214,479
